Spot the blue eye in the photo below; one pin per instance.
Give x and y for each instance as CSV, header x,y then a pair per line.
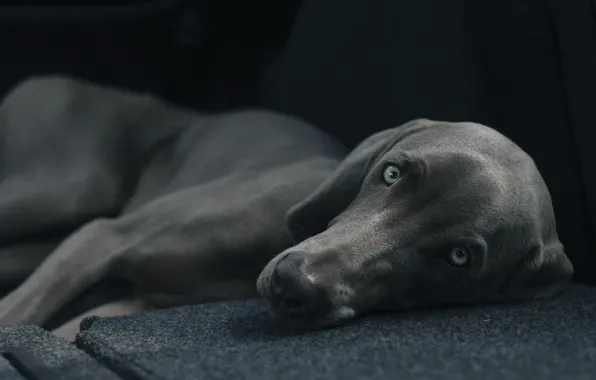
x,y
391,174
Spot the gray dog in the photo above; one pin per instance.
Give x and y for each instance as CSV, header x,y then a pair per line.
x,y
192,208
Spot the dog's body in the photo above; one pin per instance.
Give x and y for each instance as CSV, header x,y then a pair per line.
x,y
179,203
192,207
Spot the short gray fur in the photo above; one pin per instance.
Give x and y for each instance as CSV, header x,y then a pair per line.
x,y
192,207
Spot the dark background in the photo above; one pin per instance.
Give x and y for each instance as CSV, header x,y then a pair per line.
x,y
351,67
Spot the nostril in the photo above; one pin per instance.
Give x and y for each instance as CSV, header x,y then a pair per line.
x,y
286,273
291,292
296,304
276,289
292,305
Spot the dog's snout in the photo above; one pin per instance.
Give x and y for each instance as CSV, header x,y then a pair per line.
x,y
293,292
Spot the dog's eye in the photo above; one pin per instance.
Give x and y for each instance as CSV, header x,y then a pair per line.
x,y
391,174
459,257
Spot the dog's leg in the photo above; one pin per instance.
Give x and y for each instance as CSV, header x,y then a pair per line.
x,y
189,243
33,206
19,260
54,175
210,242
71,152
81,260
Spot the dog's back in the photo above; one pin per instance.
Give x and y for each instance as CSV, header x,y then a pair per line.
x,y
106,150
74,152
219,145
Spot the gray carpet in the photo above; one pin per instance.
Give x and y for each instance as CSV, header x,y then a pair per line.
x,y
547,339
52,358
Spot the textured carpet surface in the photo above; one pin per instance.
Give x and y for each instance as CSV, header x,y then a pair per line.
x,y
7,371
546,339
50,356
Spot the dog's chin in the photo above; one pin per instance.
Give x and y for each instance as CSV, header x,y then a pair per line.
x,y
337,317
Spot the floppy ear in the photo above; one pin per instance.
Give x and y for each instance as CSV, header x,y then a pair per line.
x,y
541,273
312,215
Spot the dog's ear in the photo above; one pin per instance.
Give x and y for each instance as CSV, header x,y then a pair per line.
x,y
312,215
542,272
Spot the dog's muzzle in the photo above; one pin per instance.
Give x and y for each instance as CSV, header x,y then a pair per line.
x,y
294,293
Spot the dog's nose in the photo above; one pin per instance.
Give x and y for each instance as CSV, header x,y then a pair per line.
x,y
293,293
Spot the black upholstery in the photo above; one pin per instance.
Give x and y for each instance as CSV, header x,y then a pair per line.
x,y
132,44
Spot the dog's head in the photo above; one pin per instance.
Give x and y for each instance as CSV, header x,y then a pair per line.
x,y
423,214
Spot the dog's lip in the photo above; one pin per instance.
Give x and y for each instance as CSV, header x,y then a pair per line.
x,y
334,317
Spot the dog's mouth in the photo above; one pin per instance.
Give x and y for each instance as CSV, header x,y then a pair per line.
x,y
295,303
295,323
